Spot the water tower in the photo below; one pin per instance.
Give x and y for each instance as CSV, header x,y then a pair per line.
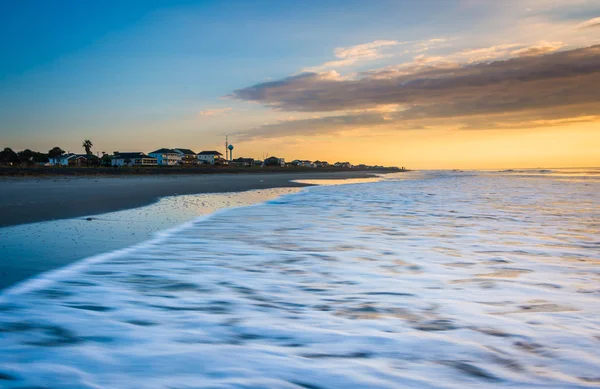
x,y
230,147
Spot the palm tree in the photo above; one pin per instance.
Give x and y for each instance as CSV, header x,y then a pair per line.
x,y
87,145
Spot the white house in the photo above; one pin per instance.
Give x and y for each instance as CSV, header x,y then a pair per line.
x,y
133,159
167,157
69,159
209,157
303,163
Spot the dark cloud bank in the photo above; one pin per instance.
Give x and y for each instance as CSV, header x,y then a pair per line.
x,y
503,94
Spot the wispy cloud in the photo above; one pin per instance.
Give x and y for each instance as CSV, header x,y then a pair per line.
x,y
538,49
215,111
595,22
365,51
352,54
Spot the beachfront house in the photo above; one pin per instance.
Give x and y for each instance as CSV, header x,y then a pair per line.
x,y
345,165
274,161
166,157
302,163
133,159
71,159
320,164
242,162
188,157
210,157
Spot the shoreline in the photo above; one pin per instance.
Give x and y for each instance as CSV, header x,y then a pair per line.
x,y
29,199
29,250
74,171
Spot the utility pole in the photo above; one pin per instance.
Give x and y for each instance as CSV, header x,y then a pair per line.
x,y
226,149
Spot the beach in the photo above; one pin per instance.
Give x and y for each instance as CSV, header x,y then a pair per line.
x,y
424,280
35,199
52,222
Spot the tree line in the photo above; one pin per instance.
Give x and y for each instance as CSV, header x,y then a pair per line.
x,y
28,157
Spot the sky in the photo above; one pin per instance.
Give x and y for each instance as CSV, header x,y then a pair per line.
x,y
429,84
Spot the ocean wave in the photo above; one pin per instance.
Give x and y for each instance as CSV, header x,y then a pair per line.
x,y
426,282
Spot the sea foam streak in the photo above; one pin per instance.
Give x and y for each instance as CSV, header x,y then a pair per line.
x,y
446,280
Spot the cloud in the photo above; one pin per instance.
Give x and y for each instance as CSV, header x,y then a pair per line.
x,y
595,22
350,55
539,49
471,95
487,53
214,112
365,51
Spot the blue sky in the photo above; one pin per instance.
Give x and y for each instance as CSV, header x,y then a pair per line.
x,y
143,74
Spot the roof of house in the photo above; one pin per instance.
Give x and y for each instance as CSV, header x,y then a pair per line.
x,y
241,159
131,155
73,155
212,152
164,151
185,151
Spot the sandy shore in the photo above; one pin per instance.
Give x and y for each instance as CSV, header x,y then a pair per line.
x,y
30,200
27,250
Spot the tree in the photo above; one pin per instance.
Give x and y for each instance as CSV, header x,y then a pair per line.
x,y
105,160
87,145
26,156
32,157
55,153
8,156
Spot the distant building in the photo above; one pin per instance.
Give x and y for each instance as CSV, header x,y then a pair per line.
x,y
303,163
133,159
274,161
320,164
188,157
166,157
71,159
346,165
210,157
242,162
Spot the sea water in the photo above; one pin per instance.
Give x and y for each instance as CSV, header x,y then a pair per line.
x,y
422,280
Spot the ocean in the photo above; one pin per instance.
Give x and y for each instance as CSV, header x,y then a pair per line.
x,y
437,279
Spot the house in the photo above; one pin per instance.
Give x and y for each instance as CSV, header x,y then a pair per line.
x,y
71,159
274,161
242,162
320,164
133,159
346,165
188,157
210,157
303,163
166,157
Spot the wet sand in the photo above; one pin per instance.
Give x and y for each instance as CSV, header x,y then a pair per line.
x,y
30,200
27,250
